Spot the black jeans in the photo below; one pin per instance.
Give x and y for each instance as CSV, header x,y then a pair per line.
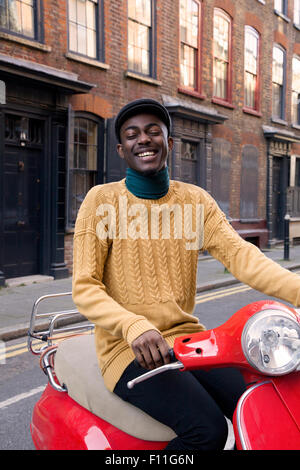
x,y
193,404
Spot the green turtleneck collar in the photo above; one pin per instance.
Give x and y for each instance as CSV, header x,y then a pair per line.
x,y
147,187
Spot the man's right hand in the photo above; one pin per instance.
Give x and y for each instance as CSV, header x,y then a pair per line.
x,y
151,350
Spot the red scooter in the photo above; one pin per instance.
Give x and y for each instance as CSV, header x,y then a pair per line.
x,y
76,411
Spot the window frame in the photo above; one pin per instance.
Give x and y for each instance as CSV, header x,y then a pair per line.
x,y
283,10
152,44
99,169
294,171
99,22
297,122
256,108
38,24
249,179
216,99
283,89
296,13
197,90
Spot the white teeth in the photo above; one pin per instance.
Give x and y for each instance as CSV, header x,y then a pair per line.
x,y
146,154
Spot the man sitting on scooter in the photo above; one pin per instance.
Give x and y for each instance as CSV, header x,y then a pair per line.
x,y
136,247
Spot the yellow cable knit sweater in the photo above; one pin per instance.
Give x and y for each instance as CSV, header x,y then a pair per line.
x,y
138,278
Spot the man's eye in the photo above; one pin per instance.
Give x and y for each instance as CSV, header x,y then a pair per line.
x,y
154,131
130,136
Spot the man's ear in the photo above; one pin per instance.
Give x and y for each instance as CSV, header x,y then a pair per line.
x,y
120,150
170,143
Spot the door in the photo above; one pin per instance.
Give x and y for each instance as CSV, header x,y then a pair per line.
x,y
279,189
22,197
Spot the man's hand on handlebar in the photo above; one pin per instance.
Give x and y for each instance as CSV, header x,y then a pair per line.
x,y
151,350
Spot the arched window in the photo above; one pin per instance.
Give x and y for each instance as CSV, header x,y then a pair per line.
x,y
190,44
222,55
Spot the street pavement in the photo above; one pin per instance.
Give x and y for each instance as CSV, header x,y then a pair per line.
x,y
17,299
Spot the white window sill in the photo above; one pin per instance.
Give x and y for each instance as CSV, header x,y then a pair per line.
x,y
24,41
142,78
87,60
282,15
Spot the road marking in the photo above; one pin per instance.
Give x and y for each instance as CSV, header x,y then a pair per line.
x,y
218,295
21,348
214,292
225,292
14,353
20,345
21,396
17,349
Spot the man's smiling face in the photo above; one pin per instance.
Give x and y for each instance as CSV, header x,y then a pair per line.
x,y
145,143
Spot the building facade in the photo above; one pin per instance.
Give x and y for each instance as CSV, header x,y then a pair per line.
x,y
228,71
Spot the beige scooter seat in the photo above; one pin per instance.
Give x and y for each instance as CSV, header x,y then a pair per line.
x,y
76,366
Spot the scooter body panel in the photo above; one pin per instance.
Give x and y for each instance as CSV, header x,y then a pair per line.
x,y
267,416
264,407
59,423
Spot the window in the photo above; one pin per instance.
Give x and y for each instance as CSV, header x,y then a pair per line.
x,y
295,90
140,37
221,75
280,6
189,44
19,16
189,172
83,27
82,163
221,172
297,12
249,182
251,68
23,131
293,191
297,173
278,85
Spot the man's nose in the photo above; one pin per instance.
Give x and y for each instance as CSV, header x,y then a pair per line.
x,y
143,138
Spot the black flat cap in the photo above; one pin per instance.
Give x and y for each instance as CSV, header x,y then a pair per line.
x,y
142,106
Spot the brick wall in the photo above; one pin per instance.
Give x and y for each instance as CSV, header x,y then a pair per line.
x,y
114,87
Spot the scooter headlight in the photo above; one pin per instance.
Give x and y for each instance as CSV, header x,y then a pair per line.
x,y
271,342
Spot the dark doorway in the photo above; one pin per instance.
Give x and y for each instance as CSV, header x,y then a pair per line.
x,y
22,196
280,184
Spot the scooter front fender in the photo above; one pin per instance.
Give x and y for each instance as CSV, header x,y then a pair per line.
x,y
267,416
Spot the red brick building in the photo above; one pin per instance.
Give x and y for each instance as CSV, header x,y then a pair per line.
x,y
228,71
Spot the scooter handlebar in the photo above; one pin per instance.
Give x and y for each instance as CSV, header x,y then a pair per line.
x,y
173,365
171,354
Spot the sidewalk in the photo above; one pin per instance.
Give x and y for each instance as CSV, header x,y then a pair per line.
x,y
16,301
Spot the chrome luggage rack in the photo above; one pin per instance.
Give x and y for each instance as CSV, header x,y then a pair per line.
x,y
49,334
